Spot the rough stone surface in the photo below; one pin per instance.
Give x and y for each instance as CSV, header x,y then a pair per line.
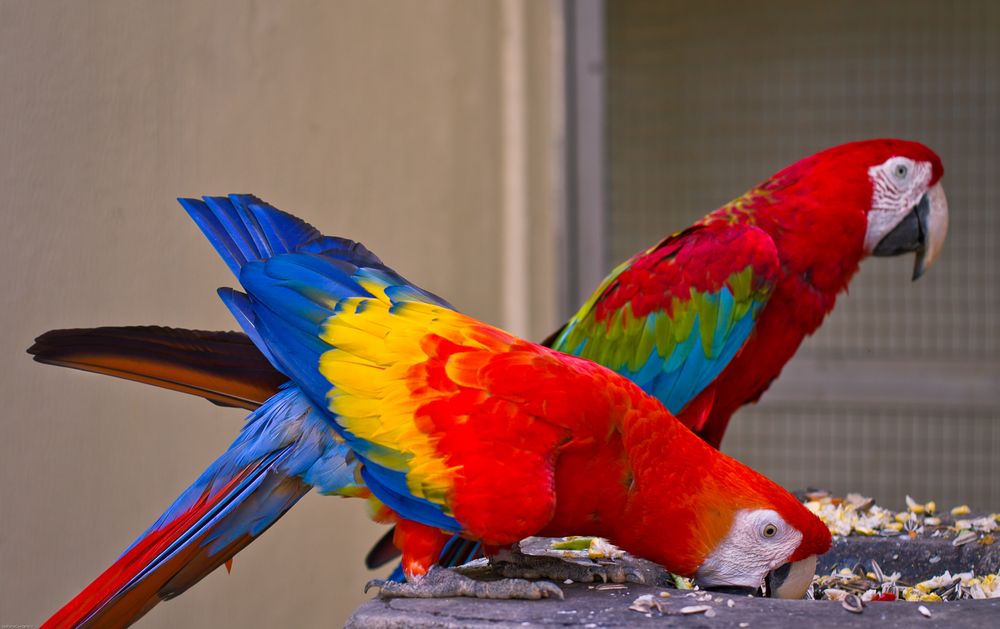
x,y
915,559
586,607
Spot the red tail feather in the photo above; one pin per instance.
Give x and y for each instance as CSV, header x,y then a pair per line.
x,y
113,600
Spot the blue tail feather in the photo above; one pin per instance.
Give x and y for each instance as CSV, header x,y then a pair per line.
x,y
232,221
242,310
284,448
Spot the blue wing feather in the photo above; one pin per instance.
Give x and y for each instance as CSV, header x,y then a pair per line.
x,y
294,277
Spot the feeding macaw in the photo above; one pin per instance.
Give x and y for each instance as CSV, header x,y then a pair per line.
x,y
704,320
453,427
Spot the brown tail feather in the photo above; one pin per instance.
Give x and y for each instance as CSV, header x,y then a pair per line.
x,y
222,367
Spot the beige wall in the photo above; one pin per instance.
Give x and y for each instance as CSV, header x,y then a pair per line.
x,y
381,121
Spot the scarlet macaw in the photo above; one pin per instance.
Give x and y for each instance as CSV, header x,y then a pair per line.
x,y
704,320
454,427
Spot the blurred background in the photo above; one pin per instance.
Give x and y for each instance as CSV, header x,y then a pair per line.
x,y
502,153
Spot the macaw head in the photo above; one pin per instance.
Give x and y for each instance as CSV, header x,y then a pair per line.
x,y
909,212
752,534
887,189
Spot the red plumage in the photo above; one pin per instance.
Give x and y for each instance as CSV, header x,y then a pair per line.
x,y
542,443
816,213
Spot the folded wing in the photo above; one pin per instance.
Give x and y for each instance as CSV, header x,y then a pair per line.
x,y
673,317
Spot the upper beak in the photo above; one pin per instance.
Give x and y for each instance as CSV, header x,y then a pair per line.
x,y
791,580
922,230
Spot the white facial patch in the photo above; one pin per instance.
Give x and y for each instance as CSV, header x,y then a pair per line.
x,y
758,542
897,185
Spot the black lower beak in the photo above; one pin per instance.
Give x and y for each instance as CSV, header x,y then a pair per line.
x,y
910,235
791,580
775,578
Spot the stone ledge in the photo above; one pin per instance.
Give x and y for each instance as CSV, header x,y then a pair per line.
x,y
585,607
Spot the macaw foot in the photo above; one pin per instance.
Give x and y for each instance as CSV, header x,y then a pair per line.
x,y
512,562
444,582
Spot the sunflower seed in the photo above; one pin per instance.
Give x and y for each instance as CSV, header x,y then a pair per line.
x,y
646,603
853,604
877,569
964,538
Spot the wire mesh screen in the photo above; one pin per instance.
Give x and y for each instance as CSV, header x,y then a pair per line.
x,y
932,453
706,99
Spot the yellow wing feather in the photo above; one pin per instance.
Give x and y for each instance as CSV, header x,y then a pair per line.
x,y
380,376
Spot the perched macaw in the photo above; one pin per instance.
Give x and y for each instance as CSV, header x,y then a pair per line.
x,y
705,320
453,427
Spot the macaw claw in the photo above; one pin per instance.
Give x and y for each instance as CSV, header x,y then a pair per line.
x,y
513,562
443,583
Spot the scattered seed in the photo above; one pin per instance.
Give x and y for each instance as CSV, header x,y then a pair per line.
x,y
853,604
964,538
859,502
730,603
646,603
877,569
695,609
961,510
709,613
926,613
913,506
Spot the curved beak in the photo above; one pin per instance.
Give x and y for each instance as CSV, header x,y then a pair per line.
x,y
791,580
922,230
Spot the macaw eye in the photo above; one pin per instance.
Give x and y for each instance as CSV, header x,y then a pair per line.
x,y
770,530
900,171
